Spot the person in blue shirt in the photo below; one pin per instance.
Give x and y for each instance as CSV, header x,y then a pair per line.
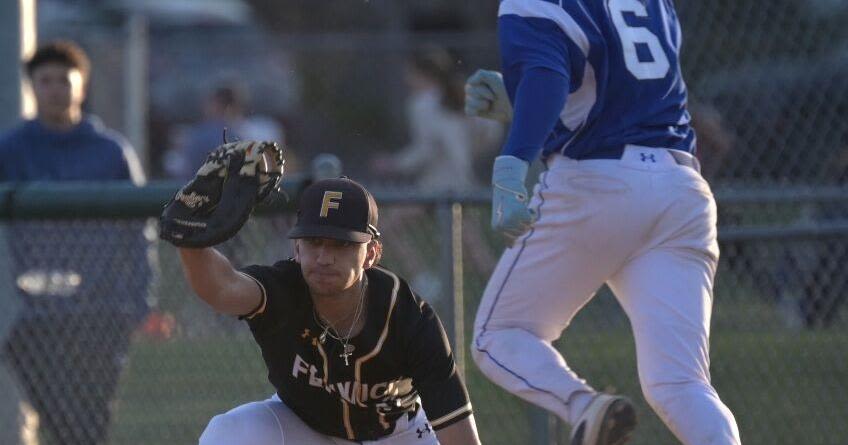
x,y
225,114
594,89
83,283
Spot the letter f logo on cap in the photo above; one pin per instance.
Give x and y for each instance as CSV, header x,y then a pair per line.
x,y
330,202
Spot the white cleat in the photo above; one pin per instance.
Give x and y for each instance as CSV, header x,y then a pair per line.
x,y
608,420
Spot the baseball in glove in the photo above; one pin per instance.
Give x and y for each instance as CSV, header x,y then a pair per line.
x,y
217,202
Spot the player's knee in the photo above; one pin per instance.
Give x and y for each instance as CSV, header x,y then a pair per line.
x,y
505,343
246,424
478,355
222,429
664,396
481,344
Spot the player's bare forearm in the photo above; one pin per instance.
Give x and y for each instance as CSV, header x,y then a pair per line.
x,y
216,282
463,432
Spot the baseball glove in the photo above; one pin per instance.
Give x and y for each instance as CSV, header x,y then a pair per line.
x,y
217,202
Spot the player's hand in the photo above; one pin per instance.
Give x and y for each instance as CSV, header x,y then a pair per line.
x,y
510,215
485,96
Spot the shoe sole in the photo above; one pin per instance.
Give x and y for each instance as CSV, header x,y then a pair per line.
x,y
615,428
619,423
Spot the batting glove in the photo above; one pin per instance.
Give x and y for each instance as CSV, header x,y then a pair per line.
x,y
485,96
510,215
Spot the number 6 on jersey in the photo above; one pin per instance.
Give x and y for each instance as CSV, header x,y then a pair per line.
x,y
631,36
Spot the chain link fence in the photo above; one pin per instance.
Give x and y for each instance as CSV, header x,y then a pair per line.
x,y
108,344
110,341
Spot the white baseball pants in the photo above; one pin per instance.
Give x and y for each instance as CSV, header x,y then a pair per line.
x,y
644,225
271,422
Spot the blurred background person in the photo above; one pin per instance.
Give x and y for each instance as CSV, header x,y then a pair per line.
x,y
224,109
62,142
70,343
444,147
715,141
440,155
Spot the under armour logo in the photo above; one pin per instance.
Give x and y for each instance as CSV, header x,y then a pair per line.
x,y
647,157
421,432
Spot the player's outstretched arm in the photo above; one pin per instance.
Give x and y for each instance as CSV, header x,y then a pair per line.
x,y
463,432
216,282
212,208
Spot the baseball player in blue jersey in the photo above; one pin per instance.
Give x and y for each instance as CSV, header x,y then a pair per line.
x,y
596,90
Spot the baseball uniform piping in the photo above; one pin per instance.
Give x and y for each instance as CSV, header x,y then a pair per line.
x,y
500,290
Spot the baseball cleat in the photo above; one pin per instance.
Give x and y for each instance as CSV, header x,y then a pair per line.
x,y
608,420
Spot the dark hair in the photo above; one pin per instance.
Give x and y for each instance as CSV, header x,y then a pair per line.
x,y
229,92
226,98
439,65
229,96
63,52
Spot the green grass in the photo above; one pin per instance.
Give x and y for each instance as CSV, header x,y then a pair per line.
x,y
784,388
171,389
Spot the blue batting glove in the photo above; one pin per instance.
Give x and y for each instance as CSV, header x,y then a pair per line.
x,y
485,96
510,215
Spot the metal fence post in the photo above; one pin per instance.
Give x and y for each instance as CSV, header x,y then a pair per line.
x,y
135,80
15,417
542,425
450,228
18,34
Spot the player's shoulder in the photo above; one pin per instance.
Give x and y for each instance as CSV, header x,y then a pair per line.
x,y
398,294
283,285
282,274
572,13
387,280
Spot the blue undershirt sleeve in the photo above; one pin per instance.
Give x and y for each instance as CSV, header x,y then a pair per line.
x,y
536,65
539,100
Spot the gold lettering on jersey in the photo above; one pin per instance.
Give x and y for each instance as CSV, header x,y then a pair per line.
x,y
330,202
313,379
300,366
378,391
352,392
362,392
345,390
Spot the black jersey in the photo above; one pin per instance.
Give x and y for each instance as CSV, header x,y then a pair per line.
x,y
401,359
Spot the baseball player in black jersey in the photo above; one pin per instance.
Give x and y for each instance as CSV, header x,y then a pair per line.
x,y
353,353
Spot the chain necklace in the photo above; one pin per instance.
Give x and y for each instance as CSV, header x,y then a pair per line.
x,y
328,329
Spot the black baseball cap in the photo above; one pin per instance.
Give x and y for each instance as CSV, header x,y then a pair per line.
x,y
338,208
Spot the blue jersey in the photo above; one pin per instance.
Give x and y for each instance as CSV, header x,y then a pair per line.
x,y
616,63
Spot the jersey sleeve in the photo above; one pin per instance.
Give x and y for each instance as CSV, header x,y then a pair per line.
x,y
274,305
536,68
532,42
433,370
